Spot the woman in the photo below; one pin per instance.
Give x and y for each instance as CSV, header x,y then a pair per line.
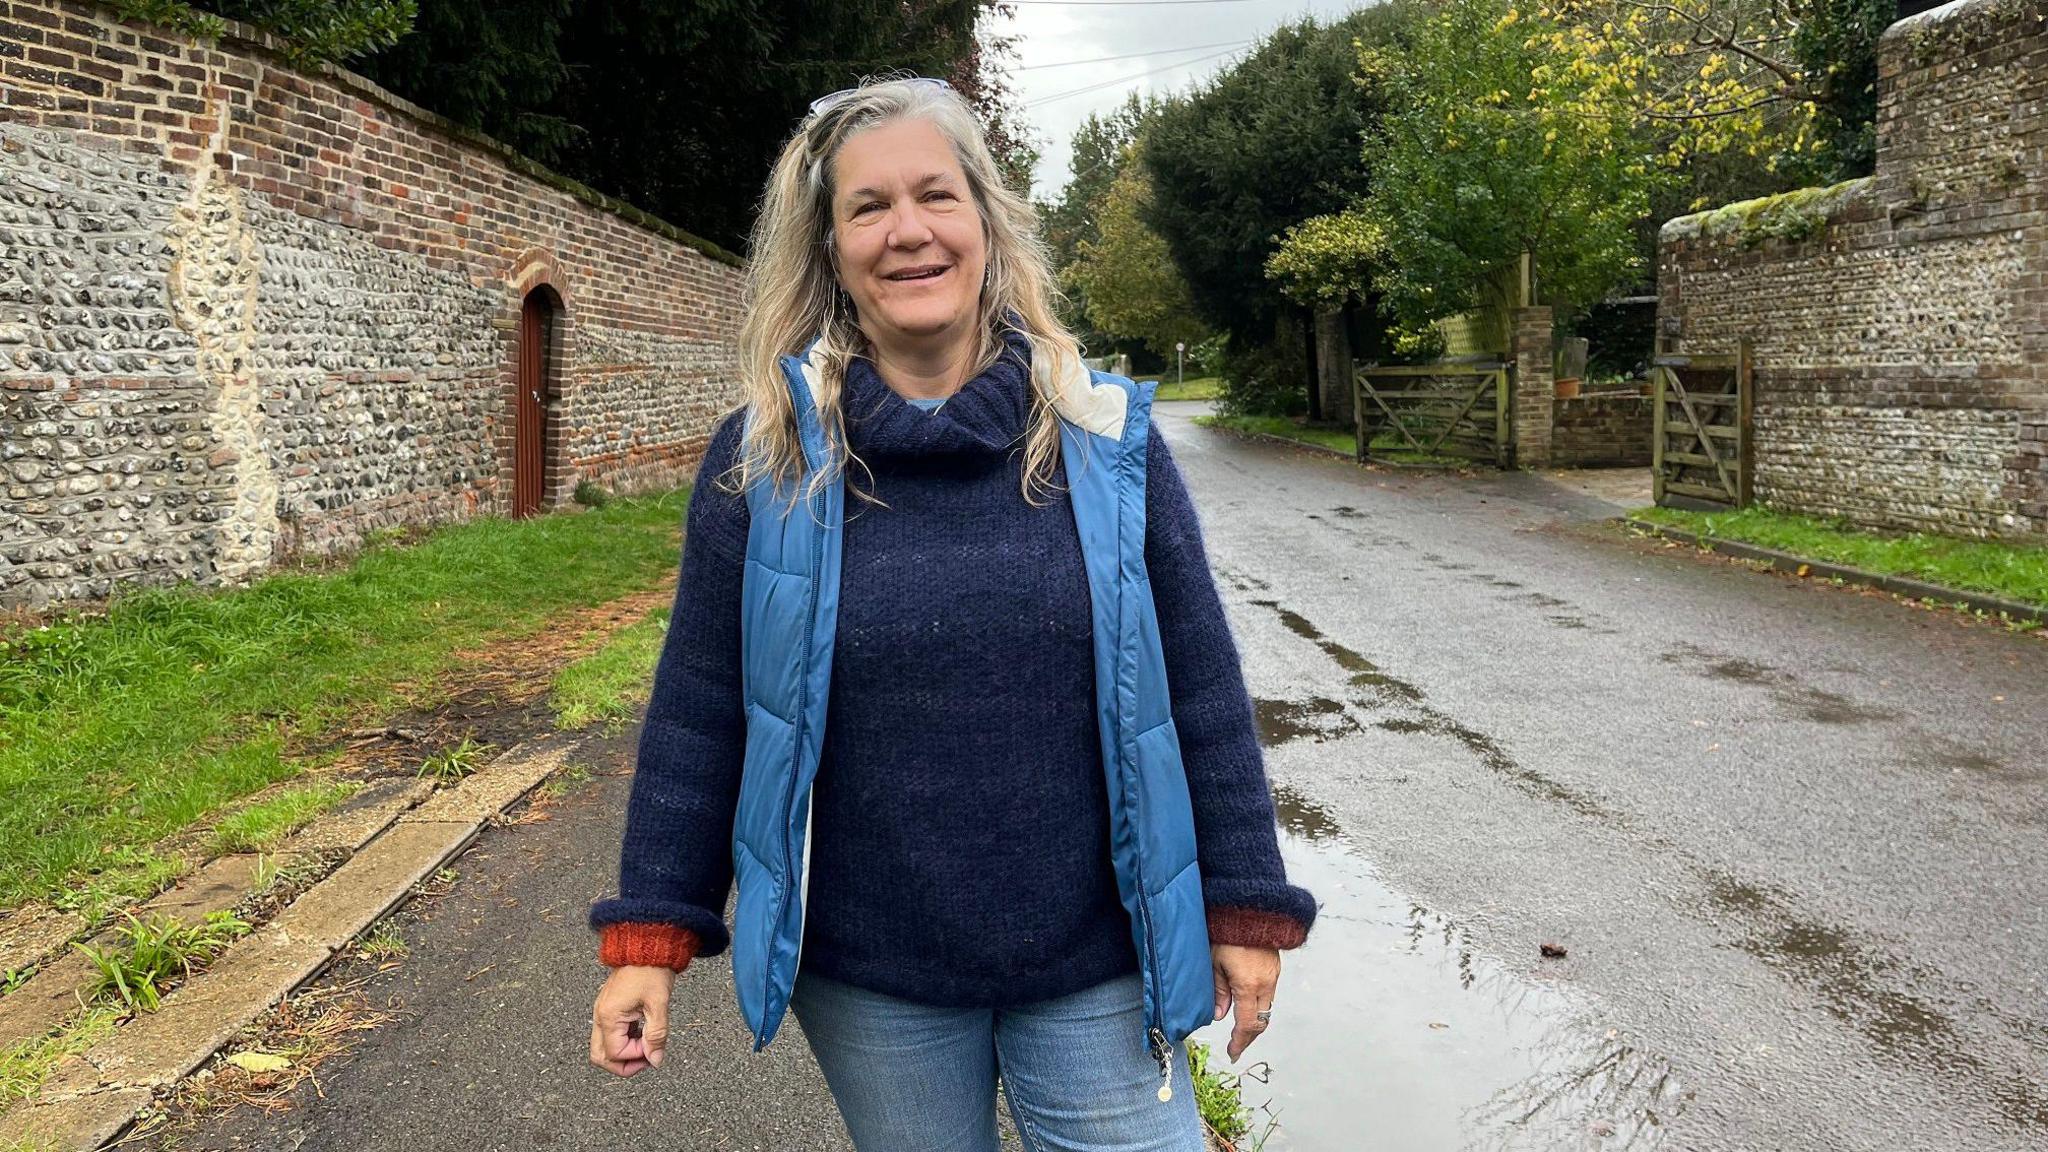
x,y
1013,854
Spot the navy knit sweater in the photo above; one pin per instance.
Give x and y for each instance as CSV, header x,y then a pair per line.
x,y
960,839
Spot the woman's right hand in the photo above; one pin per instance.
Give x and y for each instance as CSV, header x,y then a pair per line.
x,y
632,994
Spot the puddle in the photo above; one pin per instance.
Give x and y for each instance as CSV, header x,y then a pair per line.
x,y
1283,720
1429,720
1817,705
1392,1032
1859,985
1298,624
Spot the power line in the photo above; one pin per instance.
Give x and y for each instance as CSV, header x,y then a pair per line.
x,y
1135,55
1126,79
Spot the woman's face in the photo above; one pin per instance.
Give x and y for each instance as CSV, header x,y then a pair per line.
x,y
907,232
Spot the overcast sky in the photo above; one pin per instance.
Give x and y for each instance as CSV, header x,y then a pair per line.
x,y
1088,30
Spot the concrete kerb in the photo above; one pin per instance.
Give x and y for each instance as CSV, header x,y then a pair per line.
x,y
62,973
1900,585
91,1098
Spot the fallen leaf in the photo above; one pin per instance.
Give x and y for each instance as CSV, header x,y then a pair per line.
x,y
1438,1024
1803,570
259,1062
1551,951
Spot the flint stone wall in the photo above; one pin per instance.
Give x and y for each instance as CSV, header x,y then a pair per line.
x,y
1899,322
247,312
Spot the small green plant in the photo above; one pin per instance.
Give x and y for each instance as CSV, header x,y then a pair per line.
x,y
384,942
126,876
558,785
294,869
452,764
155,951
1219,1097
13,978
266,873
591,494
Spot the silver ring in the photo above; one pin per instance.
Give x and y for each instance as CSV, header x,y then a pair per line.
x,y
1265,1017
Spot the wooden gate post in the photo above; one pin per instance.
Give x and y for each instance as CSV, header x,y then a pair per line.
x,y
1745,456
1658,374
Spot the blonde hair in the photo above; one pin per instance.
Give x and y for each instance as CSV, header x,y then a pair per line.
x,y
791,287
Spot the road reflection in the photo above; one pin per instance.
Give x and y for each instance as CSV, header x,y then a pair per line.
x,y
1391,1031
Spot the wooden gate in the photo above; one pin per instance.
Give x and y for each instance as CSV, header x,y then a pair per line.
x,y
530,406
1449,408
1703,458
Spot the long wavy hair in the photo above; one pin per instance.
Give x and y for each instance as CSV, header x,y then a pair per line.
x,y
792,291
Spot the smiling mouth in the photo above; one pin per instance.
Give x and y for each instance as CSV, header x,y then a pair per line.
x,y
912,274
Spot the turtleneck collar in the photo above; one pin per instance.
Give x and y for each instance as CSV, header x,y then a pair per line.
x,y
988,415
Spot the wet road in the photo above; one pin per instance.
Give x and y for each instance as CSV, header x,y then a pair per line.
x,y
1792,839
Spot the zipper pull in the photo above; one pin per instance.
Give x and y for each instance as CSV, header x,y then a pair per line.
x,y
1163,1052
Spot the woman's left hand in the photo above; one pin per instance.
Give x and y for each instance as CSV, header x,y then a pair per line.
x,y
1246,976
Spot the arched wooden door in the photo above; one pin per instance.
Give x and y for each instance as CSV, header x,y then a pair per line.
x,y
530,407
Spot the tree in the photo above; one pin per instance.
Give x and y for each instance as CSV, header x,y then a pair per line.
x,y
679,106
1836,46
1790,83
1127,276
1102,146
494,65
1270,143
313,31
1328,261
1499,145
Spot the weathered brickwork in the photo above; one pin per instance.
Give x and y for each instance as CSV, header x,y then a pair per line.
x,y
247,311
1899,323
1530,413
1601,430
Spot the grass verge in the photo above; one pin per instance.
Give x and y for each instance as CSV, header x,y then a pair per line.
x,y
119,729
25,1064
609,684
1194,388
1386,447
2015,571
1283,427
263,825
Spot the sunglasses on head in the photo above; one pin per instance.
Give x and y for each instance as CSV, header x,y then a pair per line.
x,y
824,104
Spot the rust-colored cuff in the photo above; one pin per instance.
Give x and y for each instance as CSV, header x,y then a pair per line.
x,y
1254,928
655,945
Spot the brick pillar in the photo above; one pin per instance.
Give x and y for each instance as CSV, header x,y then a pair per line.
x,y
1531,408
1333,365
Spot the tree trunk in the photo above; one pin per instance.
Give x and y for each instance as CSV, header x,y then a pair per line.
x,y
1315,377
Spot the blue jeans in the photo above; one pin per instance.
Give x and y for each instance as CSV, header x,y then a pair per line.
x,y
1078,1072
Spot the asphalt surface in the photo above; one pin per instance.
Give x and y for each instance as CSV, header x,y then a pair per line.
x,y
1793,841
488,1046
1793,838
